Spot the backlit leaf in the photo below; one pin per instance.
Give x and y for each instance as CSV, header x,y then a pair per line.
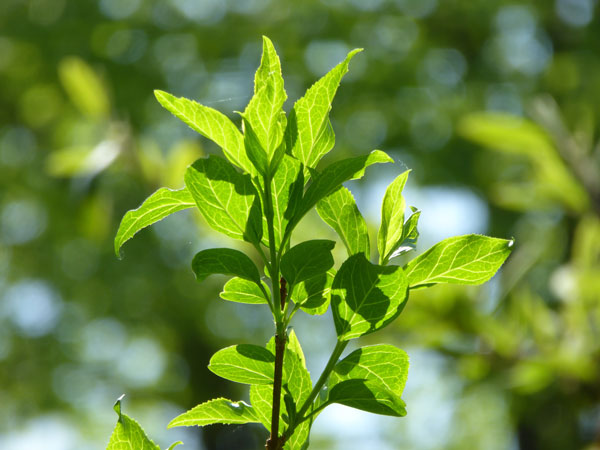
x,y
366,297
369,396
227,199
339,211
391,229
156,207
470,259
313,295
244,291
219,410
306,260
128,434
244,363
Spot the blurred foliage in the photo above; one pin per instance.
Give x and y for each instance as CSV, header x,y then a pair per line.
x,y
494,104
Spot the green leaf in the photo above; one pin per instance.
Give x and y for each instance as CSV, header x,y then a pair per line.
x,y
382,363
410,235
390,234
244,363
369,396
261,398
264,123
243,291
287,188
211,124
219,410
306,260
366,297
156,207
339,211
227,199
313,295
470,259
307,134
225,261
331,178
128,434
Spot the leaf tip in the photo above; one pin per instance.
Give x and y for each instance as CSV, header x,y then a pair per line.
x,y
117,406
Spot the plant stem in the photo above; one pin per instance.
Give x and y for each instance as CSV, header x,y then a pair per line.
x,y
274,442
333,359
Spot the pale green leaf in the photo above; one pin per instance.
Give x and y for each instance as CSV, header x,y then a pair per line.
x,y
84,87
156,207
309,120
287,188
313,295
244,363
369,396
225,261
219,410
227,199
128,434
244,291
410,235
306,260
339,211
332,177
382,363
470,259
366,297
211,124
391,229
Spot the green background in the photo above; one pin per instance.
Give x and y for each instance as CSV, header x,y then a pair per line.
x,y
494,105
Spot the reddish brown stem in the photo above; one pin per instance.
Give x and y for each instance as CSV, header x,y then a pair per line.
x,y
275,442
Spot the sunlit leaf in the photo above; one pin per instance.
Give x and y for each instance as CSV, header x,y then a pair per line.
x,y
156,207
313,295
244,291
306,260
470,259
369,396
390,234
244,363
219,410
366,297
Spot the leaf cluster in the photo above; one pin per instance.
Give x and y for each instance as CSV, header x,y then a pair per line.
x,y
269,178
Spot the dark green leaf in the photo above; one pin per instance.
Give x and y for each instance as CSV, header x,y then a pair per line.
x,y
243,291
366,297
156,207
225,261
369,396
470,259
244,363
339,211
313,295
219,410
226,198
209,123
306,260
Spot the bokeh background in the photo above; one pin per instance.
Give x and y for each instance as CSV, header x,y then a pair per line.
x,y
494,105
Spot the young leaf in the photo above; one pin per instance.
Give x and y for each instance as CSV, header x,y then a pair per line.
x,y
219,410
225,261
331,178
261,397
263,115
470,259
128,434
383,363
410,234
339,211
243,291
369,396
306,260
211,124
244,363
287,188
309,117
366,297
227,199
391,229
313,295
156,207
